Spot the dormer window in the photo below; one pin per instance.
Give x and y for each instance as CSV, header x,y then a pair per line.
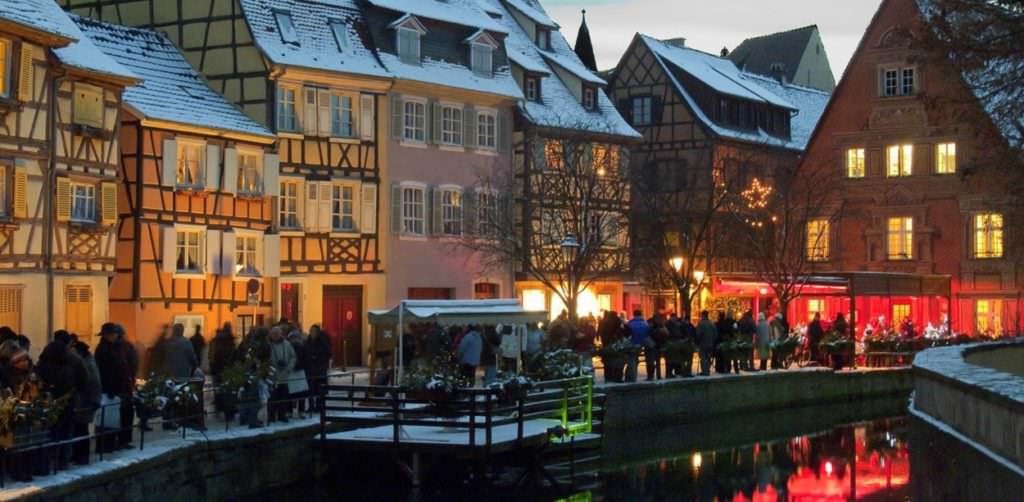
x,y
543,38
340,33
481,59
531,87
589,98
409,45
286,27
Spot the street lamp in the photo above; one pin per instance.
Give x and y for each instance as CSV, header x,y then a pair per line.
x,y
677,264
570,250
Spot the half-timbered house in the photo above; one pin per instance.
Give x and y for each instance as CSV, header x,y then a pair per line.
x,y
303,70
707,127
450,125
60,102
196,243
570,153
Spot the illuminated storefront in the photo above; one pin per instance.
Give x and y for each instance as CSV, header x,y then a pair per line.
x,y
595,300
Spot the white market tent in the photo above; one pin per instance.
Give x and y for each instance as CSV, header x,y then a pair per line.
x,y
502,311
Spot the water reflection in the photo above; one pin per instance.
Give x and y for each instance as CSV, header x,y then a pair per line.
x,y
862,461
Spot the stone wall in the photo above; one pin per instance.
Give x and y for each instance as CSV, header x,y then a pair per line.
x,y
223,469
982,403
689,399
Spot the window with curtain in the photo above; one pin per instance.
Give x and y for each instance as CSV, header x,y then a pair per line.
x,y
900,235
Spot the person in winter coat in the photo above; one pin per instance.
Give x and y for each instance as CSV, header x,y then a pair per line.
x,y
301,364
815,333
62,373
747,331
131,359
725,334
839,325
640,337
779,331
223,352
87,403
198,345
489,350
468,354
282,357
764,337
318,360
706,337
181,356
115,380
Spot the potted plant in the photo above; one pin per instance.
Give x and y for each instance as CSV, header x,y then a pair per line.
x,y
836,346
615,356
511,386
557,364
783,348
234,380
26,418
680,353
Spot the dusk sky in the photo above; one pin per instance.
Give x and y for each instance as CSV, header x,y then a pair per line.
x,y
709,26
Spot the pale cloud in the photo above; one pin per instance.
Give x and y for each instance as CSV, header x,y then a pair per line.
x,y
709,26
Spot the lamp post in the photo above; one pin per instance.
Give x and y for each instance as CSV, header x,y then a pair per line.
x,y
677,265
570,251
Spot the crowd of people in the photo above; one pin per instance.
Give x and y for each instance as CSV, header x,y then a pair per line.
x,y
97,392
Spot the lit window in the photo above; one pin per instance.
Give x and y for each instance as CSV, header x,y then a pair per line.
x,y
286,27
816,306
553,155
340,33
190,164
250,180
343,208
899,160
606,159
898,81
451,212
5,67
900,312
818,240
342,117
412,210
245,255
83,203
286,117
88,105
988,235
589,98
409,45
414,121
451,125
901,238
855,163
945,158
189,250
532,86
487,130
487,213
988,317
485,291
481,59
642,110
534,300
289,205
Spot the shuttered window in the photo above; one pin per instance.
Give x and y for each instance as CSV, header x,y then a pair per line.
x,y
409,45
83,203
188,251
289,205
10,307
413,211
88,105
78,309
5,67
481,59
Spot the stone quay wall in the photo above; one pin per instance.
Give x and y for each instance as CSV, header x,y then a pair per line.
x,y
971,390
690,399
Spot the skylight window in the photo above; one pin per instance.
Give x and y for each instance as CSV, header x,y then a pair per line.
x,y
286,27
340,33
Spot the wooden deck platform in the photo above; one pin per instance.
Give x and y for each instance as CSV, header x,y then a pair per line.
x,y
454,441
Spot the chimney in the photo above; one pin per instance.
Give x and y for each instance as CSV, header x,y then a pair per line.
x,y
778,72
678,41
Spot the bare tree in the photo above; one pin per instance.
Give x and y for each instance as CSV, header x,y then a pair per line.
x,y
560,189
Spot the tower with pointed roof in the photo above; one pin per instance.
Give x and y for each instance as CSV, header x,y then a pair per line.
x,y
584,47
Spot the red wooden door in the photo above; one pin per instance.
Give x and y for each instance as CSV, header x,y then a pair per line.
x,y
343,323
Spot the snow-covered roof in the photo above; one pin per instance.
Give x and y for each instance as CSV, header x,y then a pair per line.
x,y
559,107
574,66
461,12
317,48
37,15
723,76
171,89
532,10
502,311
444,73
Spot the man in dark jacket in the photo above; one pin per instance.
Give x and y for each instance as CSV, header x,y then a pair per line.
x,y
114,380
640,336
318,357
725,334
301,364
63,374
706,335
181,356
747,330
815,333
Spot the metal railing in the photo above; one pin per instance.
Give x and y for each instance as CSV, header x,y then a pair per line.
x,y
39,447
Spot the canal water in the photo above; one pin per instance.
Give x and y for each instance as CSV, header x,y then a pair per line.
x,y
867,451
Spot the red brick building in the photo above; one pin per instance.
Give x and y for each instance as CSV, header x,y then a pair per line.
x,y
905,140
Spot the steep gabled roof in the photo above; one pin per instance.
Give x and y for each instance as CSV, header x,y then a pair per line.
x,y
533,10
584,47
37,16
758,54
171,91
317,48
461,12
722,75
559,108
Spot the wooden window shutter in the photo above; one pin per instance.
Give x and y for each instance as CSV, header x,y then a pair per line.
x,y
396,209
78,309
312,196
434,212
324,112
229,244
469,127
213,253
230,171
170,253
212,181
108,202
271,255
367,114
271,171
169,169
504,132
397,112
435,121
26,73
368,211
62,204
20,193
324,215
10,308
309,111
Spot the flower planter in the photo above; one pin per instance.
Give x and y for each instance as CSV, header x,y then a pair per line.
x,y
837,361
18,439
613,367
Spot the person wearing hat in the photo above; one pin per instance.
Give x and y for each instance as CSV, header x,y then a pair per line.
x,y
114,380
